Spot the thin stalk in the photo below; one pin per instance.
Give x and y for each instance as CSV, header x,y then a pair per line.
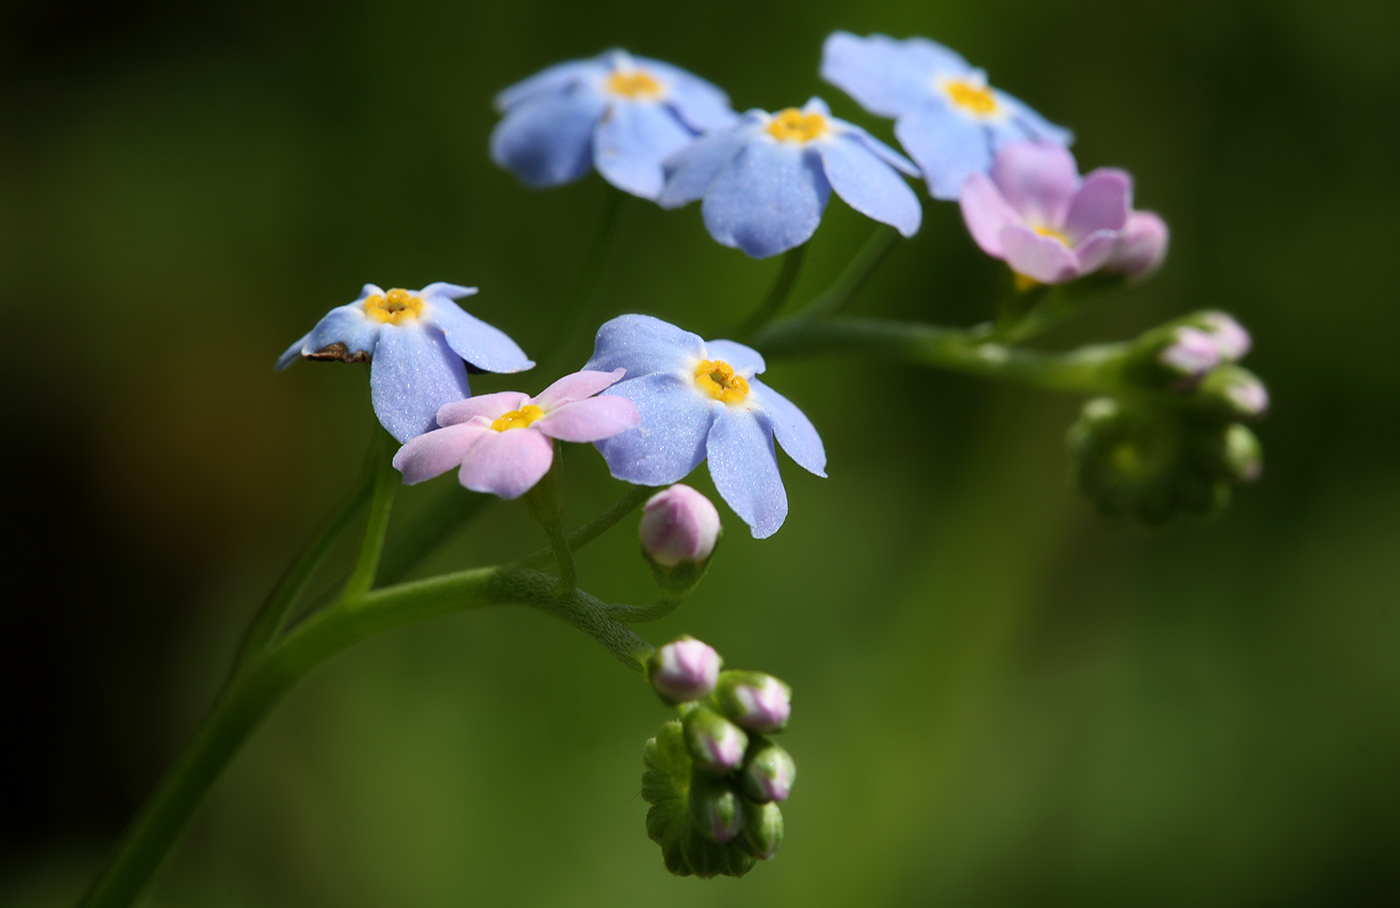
x,y
838,295
386,481
545,501
582,302
778,294
596,527
633,614
410,544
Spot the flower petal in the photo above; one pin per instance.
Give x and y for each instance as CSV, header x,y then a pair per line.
x,y
1030,124
746,361
1103,202
348,325
490,406
946,145
1096,249
768,200
886,77
1142,246
794,430
444,289
642,344
576,387
507,463
690,171
1038,180
412,375
744,467
670,441
434,453
549,141
986,211
484,346
1041,257
632,140
292,353
880,149
869,185
699,104
557,78
593,419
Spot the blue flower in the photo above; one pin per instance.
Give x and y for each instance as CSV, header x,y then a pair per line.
x,y
415,342
766,180
947,117
618,113
701,400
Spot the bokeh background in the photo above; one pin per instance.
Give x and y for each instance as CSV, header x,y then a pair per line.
x,y
1002,699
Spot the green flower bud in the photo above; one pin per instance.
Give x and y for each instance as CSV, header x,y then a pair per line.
x,y
1233,392
769,772
713,742
763,833
716,808
754,700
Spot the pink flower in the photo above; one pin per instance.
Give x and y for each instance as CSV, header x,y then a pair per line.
x,y
503,443
1036,213
679,525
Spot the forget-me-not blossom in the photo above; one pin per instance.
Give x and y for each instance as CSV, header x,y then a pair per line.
x,y
618,113
415,342
946,115
701,401
765,181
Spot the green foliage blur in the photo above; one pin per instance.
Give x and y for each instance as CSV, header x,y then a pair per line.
x,y
1002,699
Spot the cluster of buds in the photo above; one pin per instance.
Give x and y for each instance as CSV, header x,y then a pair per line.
x,y
712,776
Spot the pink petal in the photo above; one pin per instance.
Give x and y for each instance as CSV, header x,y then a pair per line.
x,y
1102,203
507,463
1096,249
487,405
1041,257
590,420
434,453
985,211
576,387
1038,179
1143,246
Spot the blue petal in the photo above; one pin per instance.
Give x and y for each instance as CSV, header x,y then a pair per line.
x,y
869,185
1024,123
747,361
886,77
484,346
879,149
795,431
557,78
744,467
643,345
769,199
346,325
947,146
691,171
413,373
631,142
698,103
451,291
549,141
293,352
670,442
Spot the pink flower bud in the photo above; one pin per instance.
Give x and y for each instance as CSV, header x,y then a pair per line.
x,y
679,525
1229,335
755,701
1192,353
1141,247
684,670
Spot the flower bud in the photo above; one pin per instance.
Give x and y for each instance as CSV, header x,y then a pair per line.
x,y
1240,454
1234,392
714,743
768,772
1141,247
716,808
683,670
679,525
1229,336
754,700
1192,353
763,833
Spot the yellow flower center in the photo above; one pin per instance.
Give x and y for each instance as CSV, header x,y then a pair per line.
x,y
394,307
518,419
792,125
636,84
717,379
970,96
1052,233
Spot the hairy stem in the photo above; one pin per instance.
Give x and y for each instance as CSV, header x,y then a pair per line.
x,y
838,295
781,290
629,502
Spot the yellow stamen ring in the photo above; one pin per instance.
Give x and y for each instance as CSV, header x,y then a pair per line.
x,y
518,419
394,307
717,379
792,125
636,84
1052,233
970,96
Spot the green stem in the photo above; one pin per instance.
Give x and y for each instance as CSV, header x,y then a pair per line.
x,y
1090,370
596,527
633,614
838,295
781,290
582,303
545,501
386,481
248,700
412,543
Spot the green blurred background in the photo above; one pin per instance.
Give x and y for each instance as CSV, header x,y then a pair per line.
x,y
1002,699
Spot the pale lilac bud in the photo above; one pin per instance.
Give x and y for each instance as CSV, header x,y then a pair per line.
x,y
1141,247
684,670
1192,353
754,700
679,525
715,743
768,772
1229,335
1238,392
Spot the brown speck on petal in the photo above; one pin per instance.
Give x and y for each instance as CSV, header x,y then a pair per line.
x,y
338,352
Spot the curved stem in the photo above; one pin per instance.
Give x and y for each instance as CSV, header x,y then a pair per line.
x,y
583,300
386,481
838,295
633,614
596,527
781,290
416,540
1091,370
